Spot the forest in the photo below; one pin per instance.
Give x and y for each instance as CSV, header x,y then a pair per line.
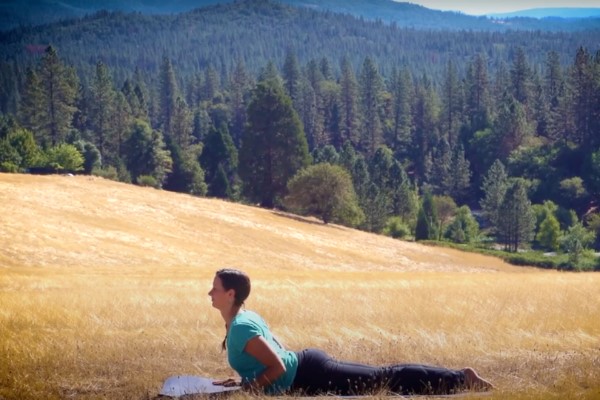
x,y
484,139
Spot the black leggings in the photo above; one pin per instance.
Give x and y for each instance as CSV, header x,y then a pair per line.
x,y
318,374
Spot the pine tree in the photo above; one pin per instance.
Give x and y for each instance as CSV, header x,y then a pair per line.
x,y
122,120
181,124
404,199
452,104
371,86
460,173
210,85
168,94
291,77
146,153
516,220
521,74
400,138
49,112
442,179
494,187
582,103
101,113
477,94
511,128
329,94
309,114
32,105
431,215
348,104
274,146
425,124
219,156
554,95
239,86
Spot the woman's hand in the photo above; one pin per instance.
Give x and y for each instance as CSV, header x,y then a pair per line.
x,y
229,382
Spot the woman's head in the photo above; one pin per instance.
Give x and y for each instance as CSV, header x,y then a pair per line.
x,y
233,284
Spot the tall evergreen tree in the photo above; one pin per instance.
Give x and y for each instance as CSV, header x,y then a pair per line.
x,y
32,104
521,75
122,120
371,86
102,108
49,114
168,94
210,84
349,120
494,187
477,94
554,95
181,124
273,147
220,160
404,198
400,135
330,113
511,127
582,82
239,87
452,105
425,124
460,175
291,77
147,154
516,219
427,219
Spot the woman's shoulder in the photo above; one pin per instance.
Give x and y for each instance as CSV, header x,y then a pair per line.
x,y
248,321
248,316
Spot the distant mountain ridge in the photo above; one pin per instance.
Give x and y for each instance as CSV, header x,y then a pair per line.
x,y
565,12
15,13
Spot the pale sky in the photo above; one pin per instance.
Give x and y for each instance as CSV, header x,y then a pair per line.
x,y
480,7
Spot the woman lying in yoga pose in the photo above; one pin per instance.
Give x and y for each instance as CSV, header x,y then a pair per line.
x,y
264,365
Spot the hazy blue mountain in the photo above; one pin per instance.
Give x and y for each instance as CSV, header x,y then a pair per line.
x,y
551,12
15,13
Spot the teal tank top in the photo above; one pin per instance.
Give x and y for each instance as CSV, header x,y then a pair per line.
x,y
245,326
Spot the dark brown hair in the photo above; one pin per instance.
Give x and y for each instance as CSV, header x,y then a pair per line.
x,y
236,280
240,283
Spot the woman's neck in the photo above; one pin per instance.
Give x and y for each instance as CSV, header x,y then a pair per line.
x,y
229,315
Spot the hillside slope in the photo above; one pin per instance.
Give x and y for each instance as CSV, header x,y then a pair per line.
x,y
61,221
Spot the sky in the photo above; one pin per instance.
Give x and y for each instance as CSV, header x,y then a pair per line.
x,y
480,7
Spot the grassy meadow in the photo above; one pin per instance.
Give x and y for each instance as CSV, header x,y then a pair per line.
x,y
103,294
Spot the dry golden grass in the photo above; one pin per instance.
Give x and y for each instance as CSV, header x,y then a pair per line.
x,y
103,295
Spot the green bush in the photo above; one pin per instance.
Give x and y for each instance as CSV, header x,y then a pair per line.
x,y
109,172
148,180
7,166
396,228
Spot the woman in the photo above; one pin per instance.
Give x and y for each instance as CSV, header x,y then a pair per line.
x,y
266,366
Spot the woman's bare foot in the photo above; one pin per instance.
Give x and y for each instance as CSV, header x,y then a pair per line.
x,y
475,382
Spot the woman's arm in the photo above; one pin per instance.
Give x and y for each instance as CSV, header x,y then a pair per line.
x,y
260,349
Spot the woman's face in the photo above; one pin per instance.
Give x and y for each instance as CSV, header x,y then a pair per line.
x,y
221,298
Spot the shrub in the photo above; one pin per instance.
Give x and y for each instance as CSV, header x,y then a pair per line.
x,y
396,228
148,180
7,166
109,172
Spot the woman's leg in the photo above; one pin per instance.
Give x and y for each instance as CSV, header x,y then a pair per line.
x,y
422,379
318,373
